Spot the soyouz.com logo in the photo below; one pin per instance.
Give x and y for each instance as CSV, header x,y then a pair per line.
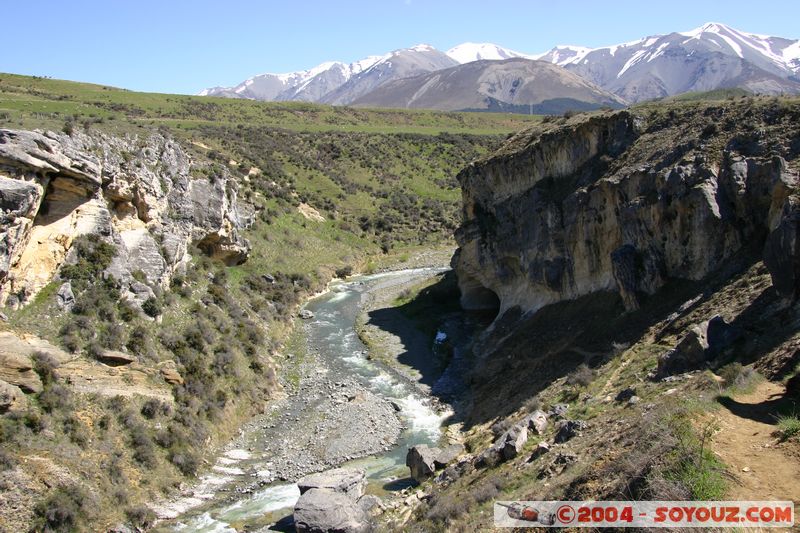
x,y
643,514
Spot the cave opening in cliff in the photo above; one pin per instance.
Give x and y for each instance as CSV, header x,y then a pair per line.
x,y
476,297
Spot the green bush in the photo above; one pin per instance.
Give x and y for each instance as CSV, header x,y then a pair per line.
x,y
141,517
788,426
152,307
93,256
64,509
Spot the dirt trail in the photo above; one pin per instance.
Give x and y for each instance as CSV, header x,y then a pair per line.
x,y
763,468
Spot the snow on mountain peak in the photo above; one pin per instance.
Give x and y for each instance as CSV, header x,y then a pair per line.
x,y
468,52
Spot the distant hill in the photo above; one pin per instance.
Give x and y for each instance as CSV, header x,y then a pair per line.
x,y
516,85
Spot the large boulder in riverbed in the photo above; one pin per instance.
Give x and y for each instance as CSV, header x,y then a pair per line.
x,y
421,460
327,511
347,481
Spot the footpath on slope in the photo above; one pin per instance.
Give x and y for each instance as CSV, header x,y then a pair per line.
x,y
762,467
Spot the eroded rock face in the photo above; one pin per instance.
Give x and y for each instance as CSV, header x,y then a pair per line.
x,y
782,251
610,203
135,192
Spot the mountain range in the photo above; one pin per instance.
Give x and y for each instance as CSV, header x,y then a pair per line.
x,y
485,76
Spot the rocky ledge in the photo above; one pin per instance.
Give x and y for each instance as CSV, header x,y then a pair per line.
x,y
141,194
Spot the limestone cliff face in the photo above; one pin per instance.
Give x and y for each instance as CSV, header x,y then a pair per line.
x,y
135,192
621,201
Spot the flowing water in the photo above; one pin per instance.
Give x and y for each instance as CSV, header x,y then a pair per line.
x,y
331,335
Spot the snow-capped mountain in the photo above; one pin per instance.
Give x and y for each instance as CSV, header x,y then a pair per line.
x,y
469,52
709,57
306,85
335,82
396,65
515,84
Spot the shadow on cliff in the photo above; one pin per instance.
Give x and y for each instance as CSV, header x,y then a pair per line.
x,y
522,355
415,324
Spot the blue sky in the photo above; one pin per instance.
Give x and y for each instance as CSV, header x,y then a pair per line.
x,y
183,46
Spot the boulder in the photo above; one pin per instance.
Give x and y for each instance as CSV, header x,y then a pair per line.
x,y
305,314
11,398
559,409
169,371
326,511
65,298
702,342
348,481
567,429
537,421
541,449
17,369
456,470
370,504
447,455
489,457
782,251
421,459
625,394
512,442
116,358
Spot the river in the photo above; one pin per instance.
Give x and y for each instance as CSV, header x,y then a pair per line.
x,y
243,487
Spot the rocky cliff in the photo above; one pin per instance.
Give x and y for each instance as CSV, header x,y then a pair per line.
x,y
623,201
139,193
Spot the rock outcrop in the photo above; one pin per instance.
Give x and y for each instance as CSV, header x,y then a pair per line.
x,y
782,251
333,501
424,461
138,193
326,511
619,202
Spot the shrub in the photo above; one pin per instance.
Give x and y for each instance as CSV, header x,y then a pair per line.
x,y
151,307
7,461
484,492
95,350
344,271
45,366
581,376
532,404
54,397
76,430
141,517
184,460
737,376
444,508
788,426
153,407
143,449
65,509
93,256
